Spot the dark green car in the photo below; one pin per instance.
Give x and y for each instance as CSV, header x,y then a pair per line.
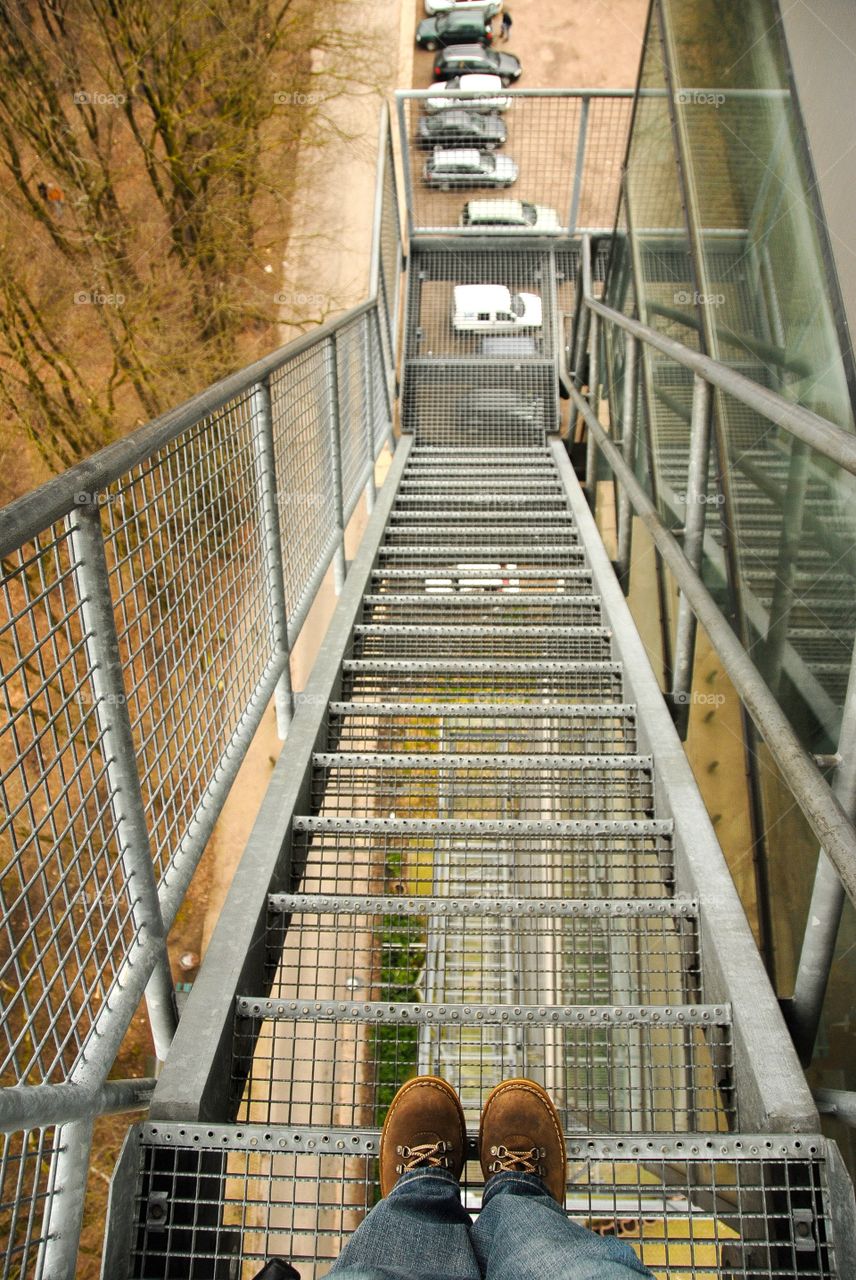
x,y
471,27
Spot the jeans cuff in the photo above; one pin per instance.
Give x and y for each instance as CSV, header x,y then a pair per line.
x,y
525,1184
420,1175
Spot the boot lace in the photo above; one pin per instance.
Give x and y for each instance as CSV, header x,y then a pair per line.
x,y
525,1161
429,1155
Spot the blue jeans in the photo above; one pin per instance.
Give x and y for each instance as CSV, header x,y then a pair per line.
x,y
421,1231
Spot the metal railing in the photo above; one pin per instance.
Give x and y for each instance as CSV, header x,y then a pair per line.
x,y
568,145
828,809
151,598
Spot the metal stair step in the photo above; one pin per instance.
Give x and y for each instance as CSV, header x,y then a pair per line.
x,y
588,858
511,640
481,580
482,785
413,505
531,607
708,1204
621,1068
479,950
525,535
520,681
520,554
472,727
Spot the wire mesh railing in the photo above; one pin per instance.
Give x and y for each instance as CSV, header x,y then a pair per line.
x,y
566,147
150,599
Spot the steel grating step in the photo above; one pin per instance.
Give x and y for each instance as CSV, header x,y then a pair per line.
x,y
444,487
452,681
710,1205
464,727
478,950
446,856
412,505
622,1069
491,524
458,557
481,580
534,608
393,640
518,535
489,786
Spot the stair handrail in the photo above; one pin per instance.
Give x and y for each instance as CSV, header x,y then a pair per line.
x,y
827,808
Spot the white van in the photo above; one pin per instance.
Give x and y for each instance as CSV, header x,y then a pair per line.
x,y
518,215
491,308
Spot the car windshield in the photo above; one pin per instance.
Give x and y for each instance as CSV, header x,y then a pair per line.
x,y
517,305
530,213
488,164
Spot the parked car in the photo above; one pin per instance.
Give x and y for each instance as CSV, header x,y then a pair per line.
x,y
499,408
492,308
488,86
447,6
465,26
518,214
484,130
463,59
468,168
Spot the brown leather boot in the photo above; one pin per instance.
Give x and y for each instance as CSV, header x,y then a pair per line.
x,y
424,1128
520,1132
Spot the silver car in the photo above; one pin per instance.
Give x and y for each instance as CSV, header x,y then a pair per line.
x,y
468,168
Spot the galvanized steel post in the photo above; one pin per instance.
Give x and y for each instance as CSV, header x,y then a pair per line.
x,y
594,402
578,166
265,461
111,710
827,899
628,448
694,520
339,563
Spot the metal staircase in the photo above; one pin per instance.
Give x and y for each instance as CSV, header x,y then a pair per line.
x,y
482,852
496,863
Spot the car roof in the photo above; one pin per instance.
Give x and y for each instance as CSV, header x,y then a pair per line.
x,y
471,118
495,208
496,293
477,81
464,50
465,155
462,15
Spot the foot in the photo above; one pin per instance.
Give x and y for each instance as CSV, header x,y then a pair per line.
x,y
520,1132
424,1129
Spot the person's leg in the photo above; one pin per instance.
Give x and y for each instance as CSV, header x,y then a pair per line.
x,y
522,1232
419,1230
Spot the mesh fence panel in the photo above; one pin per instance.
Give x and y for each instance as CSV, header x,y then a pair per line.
x,y
300,400
186,556
567,150
25,1191
66,913
353,361
688,1209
